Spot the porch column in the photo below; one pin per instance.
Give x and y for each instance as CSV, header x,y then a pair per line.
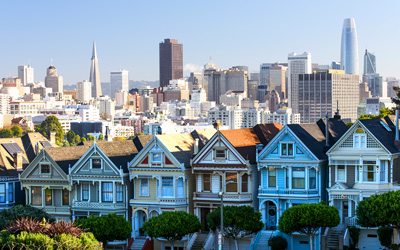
x,y
7,193
350,208
114,192
43,196
290,176
100,192
89,192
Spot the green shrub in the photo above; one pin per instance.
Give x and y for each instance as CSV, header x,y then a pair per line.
x,y
385,236
26,240
107,228
19,211
354,236
277,243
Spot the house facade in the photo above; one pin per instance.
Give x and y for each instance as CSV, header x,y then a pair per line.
x,y
364,162
293,170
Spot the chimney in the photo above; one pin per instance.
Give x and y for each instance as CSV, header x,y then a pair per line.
x,y
327,130
18,161
337,116
52,137
196,146
397,124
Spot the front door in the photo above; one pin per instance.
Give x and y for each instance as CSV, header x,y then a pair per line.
x,y
270,215
204,224
345,210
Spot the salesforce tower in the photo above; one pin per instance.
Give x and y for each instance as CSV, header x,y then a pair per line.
x,y
349,50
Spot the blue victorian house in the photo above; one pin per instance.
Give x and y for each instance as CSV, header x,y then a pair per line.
x,y
293,170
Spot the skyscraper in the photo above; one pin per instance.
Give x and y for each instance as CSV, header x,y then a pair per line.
x,y
119,81
94,77
84,91
53,81
349,50
297,64
25,73
369,63
171,61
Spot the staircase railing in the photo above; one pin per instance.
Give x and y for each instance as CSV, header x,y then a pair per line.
x,y
253,245
192,240
129,244
209,241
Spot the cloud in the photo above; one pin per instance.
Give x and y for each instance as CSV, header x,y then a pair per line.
x,y
190,67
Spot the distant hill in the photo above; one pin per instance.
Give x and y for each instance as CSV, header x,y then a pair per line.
x,y
105,86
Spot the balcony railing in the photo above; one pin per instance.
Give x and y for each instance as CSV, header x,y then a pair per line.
x,y
98,205
57,210
173,200
227,197
351,221
285,192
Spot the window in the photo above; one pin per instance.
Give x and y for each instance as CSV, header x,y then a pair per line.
x,y
341,173
37,196
287,149
312,183
298,177
106,192
382,170
207,182
360,140
85,191
245,183
45,169
272,177
220,153
156,157
2,192
179,189
120,193
144,187
232,178
96,163
167,187
65,197
48,197
10,192
368,173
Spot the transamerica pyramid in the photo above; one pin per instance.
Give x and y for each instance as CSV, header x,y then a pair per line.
x,y
94,74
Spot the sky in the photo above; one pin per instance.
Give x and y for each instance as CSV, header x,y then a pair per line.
x,y
128,33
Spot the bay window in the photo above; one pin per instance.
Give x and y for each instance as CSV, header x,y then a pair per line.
x,y
85,191
106,191
167,187
207,182
341,173
179,188
2,192
232,179
272,177
144,187
36,196
382,171
369,173
298,177
10,192
245,183
65,197
312,182
48,197
119,191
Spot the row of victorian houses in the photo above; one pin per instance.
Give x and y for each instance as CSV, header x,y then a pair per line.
x,y
269,167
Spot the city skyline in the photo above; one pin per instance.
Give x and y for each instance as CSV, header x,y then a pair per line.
x,y
230,41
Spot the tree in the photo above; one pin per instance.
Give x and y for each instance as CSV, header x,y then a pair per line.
x,y
77,139
71,137
238,221
380,210
172,226
19,211
51,124
6,133
101,137
107,227
16,131
308,219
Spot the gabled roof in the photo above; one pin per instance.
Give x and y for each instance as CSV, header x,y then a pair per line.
x,y
313,135
266,132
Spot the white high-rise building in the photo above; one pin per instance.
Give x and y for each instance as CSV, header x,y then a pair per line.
x,y
198,96
4,104
54,81
349,49
119,81
297,64
26,74
84,91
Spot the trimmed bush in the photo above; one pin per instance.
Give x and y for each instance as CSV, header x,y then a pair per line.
x,y
277,243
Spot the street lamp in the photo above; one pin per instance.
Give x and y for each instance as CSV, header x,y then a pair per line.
x,y
221,237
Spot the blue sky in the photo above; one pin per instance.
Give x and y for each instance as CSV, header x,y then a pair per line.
x,y
127,34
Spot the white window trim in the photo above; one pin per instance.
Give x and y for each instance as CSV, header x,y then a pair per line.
x,y
202,183
375,171
221,158
384,165
101,163
152,157
173,187
88,200
140,187
305,178
287,150
5,192
248,182
345,174
183,187
40,169
116,192
308,179
360,135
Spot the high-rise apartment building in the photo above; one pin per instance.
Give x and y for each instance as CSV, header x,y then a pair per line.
x,y
53,81
297,64
369,63
376,85
94,77
277,76
349,49
207,71
26,74
195,81
119,81
4,104
171,61
325,91
84,91
264,74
